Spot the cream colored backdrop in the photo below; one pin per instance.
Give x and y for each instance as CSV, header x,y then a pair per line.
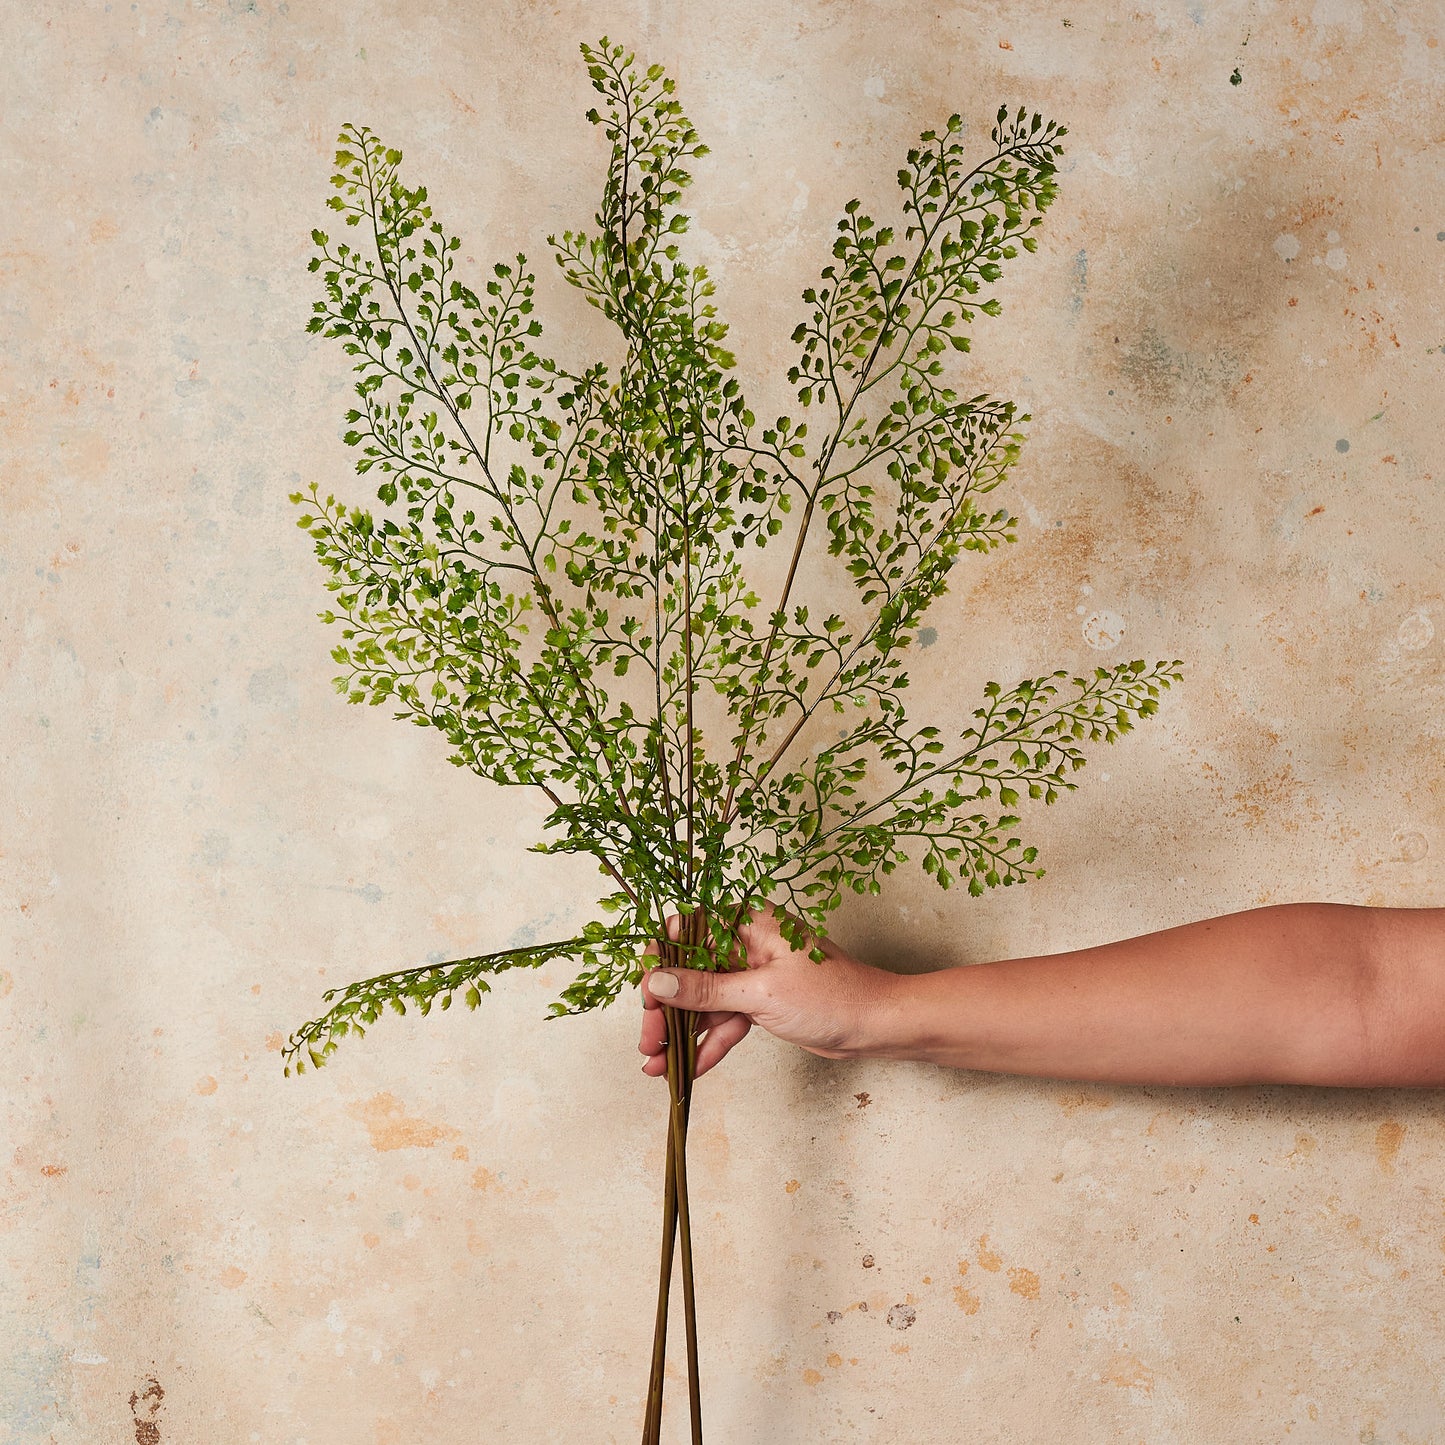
x,y
1232,345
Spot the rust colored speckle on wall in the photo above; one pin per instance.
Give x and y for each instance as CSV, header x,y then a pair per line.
x,y
1388,1138
145,1408
388,1126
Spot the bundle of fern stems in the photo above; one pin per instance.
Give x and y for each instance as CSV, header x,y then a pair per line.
x,y
544,532
681,1052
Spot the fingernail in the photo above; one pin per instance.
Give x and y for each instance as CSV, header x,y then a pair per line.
x,y
662,985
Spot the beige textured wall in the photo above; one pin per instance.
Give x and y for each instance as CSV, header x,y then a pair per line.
x,y
1232,344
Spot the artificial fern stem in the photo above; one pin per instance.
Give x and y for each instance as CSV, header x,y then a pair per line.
x,y
681,1053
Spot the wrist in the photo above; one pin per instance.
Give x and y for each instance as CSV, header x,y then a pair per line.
x,y
904,1024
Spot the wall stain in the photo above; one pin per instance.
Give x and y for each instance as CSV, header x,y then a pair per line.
x,y
1072,1103
1278,799
1388,1138
1354,1226
1304,1146
145,1406
965,1299
391,1128
1023,1282
1167,375
711,1147
1128,1373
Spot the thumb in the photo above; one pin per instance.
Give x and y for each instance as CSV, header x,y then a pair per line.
x,y
702,991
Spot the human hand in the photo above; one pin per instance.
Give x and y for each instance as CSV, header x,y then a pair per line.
x,y
839,1008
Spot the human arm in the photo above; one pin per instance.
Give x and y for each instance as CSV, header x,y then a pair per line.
x,y
1303,993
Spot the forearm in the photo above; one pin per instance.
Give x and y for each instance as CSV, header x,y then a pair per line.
x,y
1288,994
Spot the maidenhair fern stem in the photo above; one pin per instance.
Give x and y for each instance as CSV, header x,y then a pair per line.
x,y
652,1422
686,1050
682,1042
748,714
681,1055
687,1058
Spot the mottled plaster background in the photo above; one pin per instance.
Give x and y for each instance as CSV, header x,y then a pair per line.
x,y
1232,345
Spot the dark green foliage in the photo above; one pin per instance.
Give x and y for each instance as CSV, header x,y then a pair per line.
x,y
557,578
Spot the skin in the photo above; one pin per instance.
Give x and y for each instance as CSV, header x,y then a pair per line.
x,y
1300,993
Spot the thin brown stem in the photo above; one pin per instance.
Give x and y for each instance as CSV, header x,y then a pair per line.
x,y
539,585
861,384
652,1426
681,1054
691,739
748,718
686,1029
607,867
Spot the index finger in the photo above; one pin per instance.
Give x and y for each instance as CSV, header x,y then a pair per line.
x,y
654,1030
